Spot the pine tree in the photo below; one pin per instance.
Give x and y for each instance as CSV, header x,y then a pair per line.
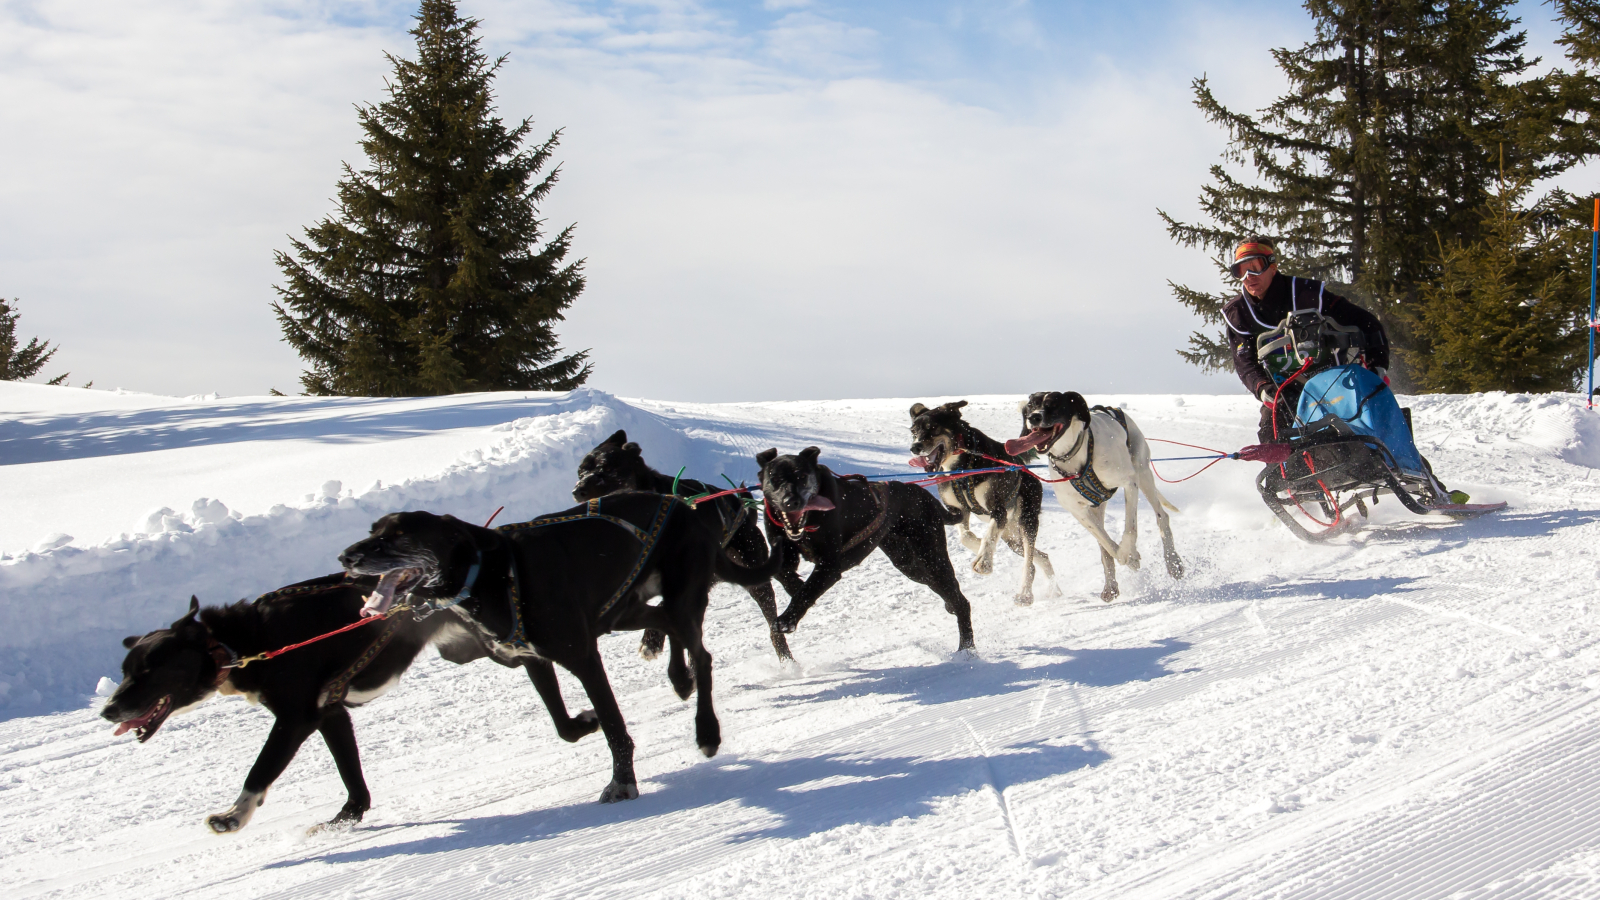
x,y
1581,31
430,280
1507,312
19,363
1375,154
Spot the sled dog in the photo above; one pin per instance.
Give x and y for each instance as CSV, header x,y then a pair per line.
x,y
837,521
1098,451
308,689
1008,501
617,464
541,593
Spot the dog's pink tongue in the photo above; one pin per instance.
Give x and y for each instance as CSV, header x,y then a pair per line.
x,y
817,502
1030,441
136,722
920,462
382,596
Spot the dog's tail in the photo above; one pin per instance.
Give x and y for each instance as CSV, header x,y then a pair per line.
x,y
952,516
1155,497
749,576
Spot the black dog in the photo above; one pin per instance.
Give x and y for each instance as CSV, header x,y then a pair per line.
x,y
307,689
543,592
1010,500
618,465
849,518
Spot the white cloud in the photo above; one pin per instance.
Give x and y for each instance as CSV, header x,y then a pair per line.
x,y
752,228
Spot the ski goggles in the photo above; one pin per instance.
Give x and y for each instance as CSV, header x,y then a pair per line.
x,y
1239,271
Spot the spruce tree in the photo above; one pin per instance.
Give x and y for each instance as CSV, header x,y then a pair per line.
x,y
1375,154
430,278
1506,312
19,363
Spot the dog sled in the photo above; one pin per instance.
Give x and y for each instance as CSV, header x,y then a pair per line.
x,y
1350,442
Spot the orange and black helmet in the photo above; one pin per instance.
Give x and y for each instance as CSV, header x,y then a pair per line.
x,y
1254,248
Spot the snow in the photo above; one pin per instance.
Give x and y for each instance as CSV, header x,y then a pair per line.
x,y
1406,711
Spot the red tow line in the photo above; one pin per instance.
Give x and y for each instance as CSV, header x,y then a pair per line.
x,y
271,654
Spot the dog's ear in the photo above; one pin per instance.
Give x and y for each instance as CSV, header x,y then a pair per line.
x,y
809,455
130,640
190,620
1075,403
632,448
917,409
955,405
766,456
620,438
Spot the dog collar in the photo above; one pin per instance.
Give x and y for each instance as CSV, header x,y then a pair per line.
x,y
223,656
466,588
1076,445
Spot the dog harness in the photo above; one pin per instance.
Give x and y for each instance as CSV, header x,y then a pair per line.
x,y
966,489
879,494
337,688
591,510
1087,483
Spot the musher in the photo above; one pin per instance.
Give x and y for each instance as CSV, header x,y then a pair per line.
x,y
1266,298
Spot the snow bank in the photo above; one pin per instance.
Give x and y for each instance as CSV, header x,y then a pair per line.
x,y
64,607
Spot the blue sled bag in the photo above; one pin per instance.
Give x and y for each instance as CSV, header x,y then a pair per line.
x,y
1366,404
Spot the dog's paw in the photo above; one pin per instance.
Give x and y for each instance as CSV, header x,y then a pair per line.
x,y
344,821
1051,589
616,792
650,643
223,823
1133,561
709,750
582,725
1174,565
1110,594
235,818
784,625
983,566
683,688
1023,599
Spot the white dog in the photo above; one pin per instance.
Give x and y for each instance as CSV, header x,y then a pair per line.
x,y
1096,452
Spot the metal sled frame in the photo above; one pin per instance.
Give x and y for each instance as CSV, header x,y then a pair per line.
x,y
1338,470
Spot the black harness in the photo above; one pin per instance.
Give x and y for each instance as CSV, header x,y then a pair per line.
x,y
518,638
1087,483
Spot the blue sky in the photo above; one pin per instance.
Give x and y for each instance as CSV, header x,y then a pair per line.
x,y
860,199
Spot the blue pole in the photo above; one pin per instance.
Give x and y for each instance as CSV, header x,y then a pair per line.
x,y
1594,264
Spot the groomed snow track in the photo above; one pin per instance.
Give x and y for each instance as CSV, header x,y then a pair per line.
x,y
1406,712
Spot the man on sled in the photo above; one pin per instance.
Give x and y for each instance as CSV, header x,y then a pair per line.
x,y
1272,305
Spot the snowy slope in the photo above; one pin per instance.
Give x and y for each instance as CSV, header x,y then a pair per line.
x,y
1405,712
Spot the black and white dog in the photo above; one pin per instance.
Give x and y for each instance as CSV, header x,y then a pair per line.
x,y
1098,451
542,592
1008,501
617,464
837,522
308,689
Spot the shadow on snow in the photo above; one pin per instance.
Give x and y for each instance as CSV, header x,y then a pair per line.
x,y
796,797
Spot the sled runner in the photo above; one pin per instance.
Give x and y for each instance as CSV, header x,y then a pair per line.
x,y
1350,441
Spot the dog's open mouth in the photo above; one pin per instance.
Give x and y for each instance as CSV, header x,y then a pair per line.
x,y
395,582
793,521
144,726
1033,440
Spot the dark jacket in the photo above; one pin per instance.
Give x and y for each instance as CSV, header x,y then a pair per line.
x,y
1247,317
